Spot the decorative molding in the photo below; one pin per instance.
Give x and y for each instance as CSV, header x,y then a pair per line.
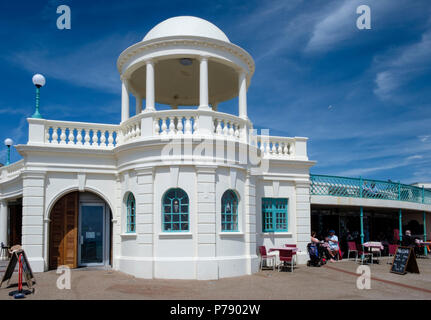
x,y
230,48
233,178
82,179
275,188
175,170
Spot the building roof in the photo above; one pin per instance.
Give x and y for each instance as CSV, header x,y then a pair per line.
x,y
186,26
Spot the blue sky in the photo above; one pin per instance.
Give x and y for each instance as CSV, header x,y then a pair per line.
x,y
361,96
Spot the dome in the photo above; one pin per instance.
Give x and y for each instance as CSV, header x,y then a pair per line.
x,y
186,26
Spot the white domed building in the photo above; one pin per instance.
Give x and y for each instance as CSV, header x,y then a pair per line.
x,y
185,193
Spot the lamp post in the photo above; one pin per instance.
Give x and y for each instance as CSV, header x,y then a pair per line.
x,y
38,81
8,142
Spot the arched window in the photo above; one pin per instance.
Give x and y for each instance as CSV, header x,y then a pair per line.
x,y
175,211
229,211
131,213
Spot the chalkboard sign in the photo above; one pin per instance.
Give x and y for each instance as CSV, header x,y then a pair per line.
x,y
26,269
404,261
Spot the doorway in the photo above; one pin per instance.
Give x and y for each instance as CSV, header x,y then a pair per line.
x,y
80,231
93,249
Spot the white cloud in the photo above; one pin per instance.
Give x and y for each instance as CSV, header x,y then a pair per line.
x,y
92,65
337,25
400,66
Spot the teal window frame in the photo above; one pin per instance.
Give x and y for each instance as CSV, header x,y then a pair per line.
x,y
131,214
275,214
229,212
175,211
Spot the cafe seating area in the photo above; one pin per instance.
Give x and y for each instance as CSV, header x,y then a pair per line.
x,y
280,257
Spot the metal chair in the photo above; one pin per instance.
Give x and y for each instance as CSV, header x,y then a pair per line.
x,y
291,246
392,250
352,248
286,256
365,254
266,257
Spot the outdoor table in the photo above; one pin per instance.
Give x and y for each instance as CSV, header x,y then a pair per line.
x,y
373,245
425,244
295,250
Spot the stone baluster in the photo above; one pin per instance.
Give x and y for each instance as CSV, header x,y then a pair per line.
x,y
280,149
267,147
219,129
79,137
102,138
291,149
237,131
225,128
274,149
54,135
180,125
95,139
62,135
110,139
188,126
172,125
285,149
231,129
164,126
47,135
71,136
156,127
195,125
138,130
87,137
117,137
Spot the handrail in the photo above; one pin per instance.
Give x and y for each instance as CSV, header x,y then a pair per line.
x,y
367,188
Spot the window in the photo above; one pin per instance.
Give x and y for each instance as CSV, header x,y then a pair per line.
x,y
274,214
175,211
131,213
229,211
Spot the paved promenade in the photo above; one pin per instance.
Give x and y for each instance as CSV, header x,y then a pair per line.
x,y
334,281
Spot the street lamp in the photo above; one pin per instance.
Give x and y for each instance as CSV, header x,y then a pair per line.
x,y
38,81
8,142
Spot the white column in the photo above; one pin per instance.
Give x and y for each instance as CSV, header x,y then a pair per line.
x,y
150,95
203,83
138,104
3,222
242,95
125,113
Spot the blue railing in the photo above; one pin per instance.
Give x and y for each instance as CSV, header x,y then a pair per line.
x,y
367,188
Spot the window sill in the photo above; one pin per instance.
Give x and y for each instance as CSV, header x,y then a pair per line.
x,y
231,234
277,234
129,235
175,235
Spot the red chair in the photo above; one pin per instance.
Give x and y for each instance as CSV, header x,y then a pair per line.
x,y
291,246
286,256
266,257
352,248
391,252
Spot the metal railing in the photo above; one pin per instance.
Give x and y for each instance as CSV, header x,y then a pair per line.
x,y
367,188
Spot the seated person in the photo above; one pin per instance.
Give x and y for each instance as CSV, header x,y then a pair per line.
x,y
333,244
314,240
408,240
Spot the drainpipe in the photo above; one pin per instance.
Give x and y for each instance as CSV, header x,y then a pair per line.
x,y
400,218
425,233
362,231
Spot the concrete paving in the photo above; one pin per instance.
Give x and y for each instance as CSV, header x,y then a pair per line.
x,y
335,281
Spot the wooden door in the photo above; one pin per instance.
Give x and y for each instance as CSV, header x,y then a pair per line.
x,y
15,224
63,244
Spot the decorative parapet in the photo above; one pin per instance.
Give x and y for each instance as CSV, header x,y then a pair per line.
x,y
164,124
11,171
